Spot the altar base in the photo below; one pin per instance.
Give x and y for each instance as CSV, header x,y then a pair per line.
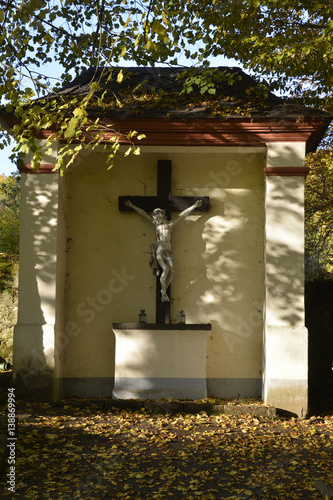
x,y
160,361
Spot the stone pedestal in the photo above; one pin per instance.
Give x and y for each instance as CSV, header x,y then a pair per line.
x,y
160,361
285,383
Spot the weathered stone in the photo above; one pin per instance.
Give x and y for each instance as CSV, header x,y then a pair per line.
x,y
130,404
157,407
171,407
254,410
191,407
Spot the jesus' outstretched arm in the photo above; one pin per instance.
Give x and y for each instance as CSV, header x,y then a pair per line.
x,y
140,211
186,212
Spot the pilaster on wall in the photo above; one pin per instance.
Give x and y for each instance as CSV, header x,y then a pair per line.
x,y
34,334
285,381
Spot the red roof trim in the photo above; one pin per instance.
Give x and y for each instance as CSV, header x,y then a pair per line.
x,y
286,171
210,131
45,168
215,132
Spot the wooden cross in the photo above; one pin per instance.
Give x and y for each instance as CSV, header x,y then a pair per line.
x,y
170,204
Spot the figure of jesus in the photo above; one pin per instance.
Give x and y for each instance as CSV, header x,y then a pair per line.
x,y
161,251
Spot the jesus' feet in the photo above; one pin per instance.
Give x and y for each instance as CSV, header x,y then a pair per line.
x,y
165,298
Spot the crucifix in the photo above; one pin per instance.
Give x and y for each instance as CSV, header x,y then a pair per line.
x,y
161,253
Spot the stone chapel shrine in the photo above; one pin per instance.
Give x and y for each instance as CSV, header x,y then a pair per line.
x,y
238,254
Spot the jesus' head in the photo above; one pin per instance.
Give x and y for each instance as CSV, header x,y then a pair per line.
x,y
158,214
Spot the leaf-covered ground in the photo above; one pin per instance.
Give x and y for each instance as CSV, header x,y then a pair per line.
x,y
65,453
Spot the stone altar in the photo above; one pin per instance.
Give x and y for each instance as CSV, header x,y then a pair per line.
x,y
160,361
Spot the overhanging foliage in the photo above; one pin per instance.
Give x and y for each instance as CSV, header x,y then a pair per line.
x,y
319,215
9,214
288,42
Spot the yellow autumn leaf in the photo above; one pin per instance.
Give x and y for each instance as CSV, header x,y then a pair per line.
x,y
51,436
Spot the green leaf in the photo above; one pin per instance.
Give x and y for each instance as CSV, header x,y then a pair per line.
x,y
158,28
25,149
127,22
150,46
80,113
123,51
120,76
71,128
329,26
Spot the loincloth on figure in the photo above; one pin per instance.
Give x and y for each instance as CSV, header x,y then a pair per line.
x,y
165,253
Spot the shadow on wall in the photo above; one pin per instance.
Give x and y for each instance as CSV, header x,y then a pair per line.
x,y
233,259
34,333
233,299
285,252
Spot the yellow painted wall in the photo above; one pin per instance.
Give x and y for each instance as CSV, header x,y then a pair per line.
x,y
219,258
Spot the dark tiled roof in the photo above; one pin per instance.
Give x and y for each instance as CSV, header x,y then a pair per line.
x,y
149,79
158,92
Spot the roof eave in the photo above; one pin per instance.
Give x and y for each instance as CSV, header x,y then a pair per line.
x,y
216,131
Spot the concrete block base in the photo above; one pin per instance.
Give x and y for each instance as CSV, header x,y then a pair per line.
x,y
286,369
87,387
160,361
